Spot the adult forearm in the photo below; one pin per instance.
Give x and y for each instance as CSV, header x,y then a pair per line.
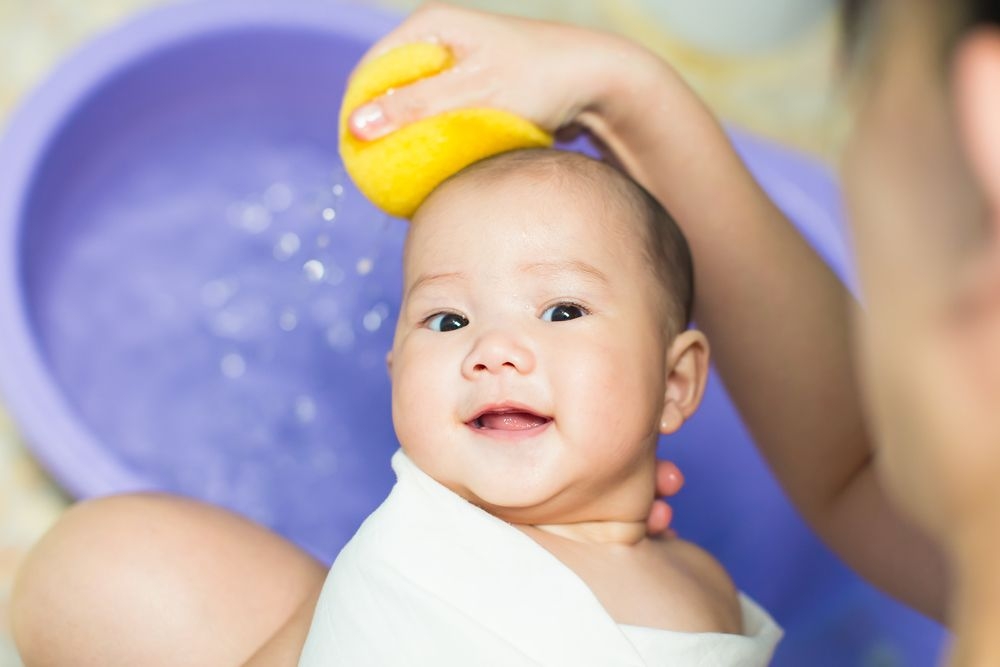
x,y
889,549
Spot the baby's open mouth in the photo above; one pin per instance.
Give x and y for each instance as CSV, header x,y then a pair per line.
x,y
504,419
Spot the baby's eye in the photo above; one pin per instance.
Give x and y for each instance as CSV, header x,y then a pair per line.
x,y
563,311
446,322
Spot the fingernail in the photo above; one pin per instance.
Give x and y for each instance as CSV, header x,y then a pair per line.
x,y
369,121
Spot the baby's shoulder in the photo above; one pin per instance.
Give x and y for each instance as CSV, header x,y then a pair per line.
x,y
697,564
696,577
667,583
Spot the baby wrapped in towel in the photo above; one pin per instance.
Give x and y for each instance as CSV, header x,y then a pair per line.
x,y
541,349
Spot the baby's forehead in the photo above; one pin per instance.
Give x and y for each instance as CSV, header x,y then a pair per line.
x,y
526,183
581,208
531,169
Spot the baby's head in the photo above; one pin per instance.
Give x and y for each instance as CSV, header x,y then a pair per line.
x,y
542,344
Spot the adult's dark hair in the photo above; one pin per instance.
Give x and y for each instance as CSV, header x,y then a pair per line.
x,y
858,15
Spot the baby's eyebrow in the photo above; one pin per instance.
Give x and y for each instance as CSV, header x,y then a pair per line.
x,y
432,278
568,266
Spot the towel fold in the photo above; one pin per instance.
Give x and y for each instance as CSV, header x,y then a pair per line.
x,y
430,579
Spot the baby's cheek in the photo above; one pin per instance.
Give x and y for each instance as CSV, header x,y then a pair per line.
x,y
615,393
405,415
593,375
421,410
409,415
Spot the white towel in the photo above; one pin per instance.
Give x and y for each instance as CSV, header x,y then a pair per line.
x,y
432,580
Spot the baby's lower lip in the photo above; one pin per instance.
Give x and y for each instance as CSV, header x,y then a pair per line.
x,y
508,433
509,420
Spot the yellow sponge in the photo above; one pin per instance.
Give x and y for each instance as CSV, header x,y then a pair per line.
x,y
398,171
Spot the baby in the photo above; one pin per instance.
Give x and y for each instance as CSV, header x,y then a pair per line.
x,y
542,347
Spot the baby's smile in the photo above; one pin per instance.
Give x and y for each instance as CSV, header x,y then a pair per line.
x,y
508,420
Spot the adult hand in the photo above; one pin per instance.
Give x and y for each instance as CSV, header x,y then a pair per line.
x,y
669,481
545,72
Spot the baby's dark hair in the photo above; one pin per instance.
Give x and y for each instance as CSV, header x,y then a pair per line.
x,y
667,251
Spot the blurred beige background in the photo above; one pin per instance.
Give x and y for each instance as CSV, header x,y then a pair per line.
x,y
787,91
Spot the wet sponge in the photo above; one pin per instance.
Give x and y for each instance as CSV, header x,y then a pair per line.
x,y
398,171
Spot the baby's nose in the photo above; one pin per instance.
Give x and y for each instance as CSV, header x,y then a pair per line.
x,y
498,352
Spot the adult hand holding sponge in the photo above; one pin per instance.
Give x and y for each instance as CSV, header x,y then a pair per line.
x,y
398,171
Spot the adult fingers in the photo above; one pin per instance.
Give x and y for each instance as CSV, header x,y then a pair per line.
x,y
658,521
669,478
401,106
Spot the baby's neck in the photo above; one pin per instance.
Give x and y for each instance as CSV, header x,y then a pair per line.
x,y
597,532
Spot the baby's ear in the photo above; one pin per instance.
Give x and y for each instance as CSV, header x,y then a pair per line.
x,y
388,361
687,373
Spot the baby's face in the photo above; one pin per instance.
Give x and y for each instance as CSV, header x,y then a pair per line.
x,y
529,362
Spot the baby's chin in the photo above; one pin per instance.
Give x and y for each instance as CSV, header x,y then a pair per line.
x,y
504,501
533,507
542,490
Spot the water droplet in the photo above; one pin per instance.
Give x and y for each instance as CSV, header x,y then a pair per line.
x,y
233,365
287,245
329,214
382,309
314,270
340,336
216,292
255,219
371,321
278,197
338,190
323,240
305,409
242,319
364,266
228,323
288,320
